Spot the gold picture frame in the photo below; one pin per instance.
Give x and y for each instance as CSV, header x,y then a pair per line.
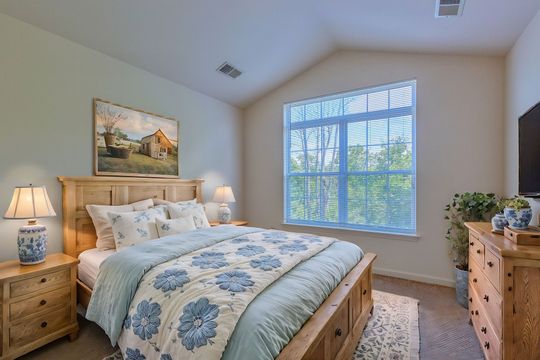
x,y
134,142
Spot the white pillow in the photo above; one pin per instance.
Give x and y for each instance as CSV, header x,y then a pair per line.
x,y
167,202
130,228
175,226
98,213
195,211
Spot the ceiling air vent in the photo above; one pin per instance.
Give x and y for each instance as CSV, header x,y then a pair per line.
x,y
229,70
447,8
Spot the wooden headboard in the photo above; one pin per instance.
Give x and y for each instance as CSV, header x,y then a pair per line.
x,y
77,192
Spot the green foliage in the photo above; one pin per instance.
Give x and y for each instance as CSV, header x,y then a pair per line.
x,y
501,204
464,208
518,203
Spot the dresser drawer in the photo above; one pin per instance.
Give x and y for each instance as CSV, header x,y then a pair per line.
x,y
338,330
476,249
489,340
39,327
492,269
488,297
20,309
40,283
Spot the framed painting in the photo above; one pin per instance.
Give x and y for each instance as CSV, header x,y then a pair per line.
x,y
131,142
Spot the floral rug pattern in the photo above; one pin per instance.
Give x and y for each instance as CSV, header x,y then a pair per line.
x,y
390,334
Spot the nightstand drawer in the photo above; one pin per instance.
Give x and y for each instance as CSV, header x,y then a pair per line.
x,y
38,303
39,283
39,327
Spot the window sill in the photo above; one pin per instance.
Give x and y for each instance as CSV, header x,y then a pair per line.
x,y
370,233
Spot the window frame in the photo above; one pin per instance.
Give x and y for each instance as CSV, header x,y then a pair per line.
x,y
343,121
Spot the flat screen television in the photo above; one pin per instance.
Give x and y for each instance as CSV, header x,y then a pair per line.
x,y
529,152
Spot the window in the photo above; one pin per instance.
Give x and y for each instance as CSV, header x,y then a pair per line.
x,y
350,160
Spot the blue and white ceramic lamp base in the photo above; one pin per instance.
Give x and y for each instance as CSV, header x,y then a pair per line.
x,y
32,242
224,214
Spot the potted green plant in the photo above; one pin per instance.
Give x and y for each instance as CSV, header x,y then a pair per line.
x,y
498,221
464,208
518,213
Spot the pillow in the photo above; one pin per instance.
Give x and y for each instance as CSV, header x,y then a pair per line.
x,y
175,226
195,211
130,228
167,202
98,213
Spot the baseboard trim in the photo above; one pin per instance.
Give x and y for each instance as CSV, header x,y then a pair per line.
x,y
415,277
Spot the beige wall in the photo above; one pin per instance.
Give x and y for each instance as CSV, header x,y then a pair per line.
x,y
459,136
46,88
522,92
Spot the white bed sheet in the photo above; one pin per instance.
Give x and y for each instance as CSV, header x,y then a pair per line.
x,y
90,260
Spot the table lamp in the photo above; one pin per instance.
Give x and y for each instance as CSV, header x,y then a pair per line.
x,y
224,195
31,202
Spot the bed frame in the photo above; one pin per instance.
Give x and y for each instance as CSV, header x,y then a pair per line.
x,y
331,333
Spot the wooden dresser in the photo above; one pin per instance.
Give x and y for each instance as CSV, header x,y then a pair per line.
x,y
504,294
38,304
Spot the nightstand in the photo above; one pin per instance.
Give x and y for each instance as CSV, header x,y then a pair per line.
x,y
38,304
234,222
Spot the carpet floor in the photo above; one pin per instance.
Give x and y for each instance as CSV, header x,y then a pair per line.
x,y
444,329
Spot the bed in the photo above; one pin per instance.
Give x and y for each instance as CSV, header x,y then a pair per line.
x,y
333,330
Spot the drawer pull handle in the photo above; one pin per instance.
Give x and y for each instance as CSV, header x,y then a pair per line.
x,y
472,243
364,292
470,269
472,312
470,299
486,298
486,345
43,302
476,312
43,280
338,332
483,329
490,264
44,324
475,280
478,251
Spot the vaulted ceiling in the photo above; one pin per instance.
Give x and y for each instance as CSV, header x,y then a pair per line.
x,y
269,40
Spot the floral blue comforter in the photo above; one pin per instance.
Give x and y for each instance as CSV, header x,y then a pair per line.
x,y
187,307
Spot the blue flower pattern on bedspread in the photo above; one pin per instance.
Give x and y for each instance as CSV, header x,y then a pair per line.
x,y
197,325
195,299
250,250
171,279
146,321
234,281
210,259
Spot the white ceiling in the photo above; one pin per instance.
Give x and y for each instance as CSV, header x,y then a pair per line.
x,y
269,40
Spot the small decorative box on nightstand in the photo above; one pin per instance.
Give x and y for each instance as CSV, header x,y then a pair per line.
x,y
233,222
38,304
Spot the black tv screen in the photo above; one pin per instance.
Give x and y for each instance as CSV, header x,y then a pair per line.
x,y
529,152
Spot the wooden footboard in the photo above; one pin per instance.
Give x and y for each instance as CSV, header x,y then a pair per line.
x,y
335,329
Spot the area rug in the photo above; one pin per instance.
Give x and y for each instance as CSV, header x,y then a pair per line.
x,y
390,334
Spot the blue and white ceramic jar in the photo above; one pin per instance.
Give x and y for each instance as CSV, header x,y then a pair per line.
x,y
518,219
32,243
498,222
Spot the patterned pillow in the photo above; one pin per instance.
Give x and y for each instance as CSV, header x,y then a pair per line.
x,y
175,226
167,202
135,227
196,211
98,213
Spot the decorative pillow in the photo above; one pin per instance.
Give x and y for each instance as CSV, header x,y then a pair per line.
x,y
167,202
130,228
98,213
175,226
195,211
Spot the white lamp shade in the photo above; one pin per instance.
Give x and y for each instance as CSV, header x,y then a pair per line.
x,y
29,202
224,194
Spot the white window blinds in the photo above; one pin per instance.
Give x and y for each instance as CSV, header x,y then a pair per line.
x,y
350,160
